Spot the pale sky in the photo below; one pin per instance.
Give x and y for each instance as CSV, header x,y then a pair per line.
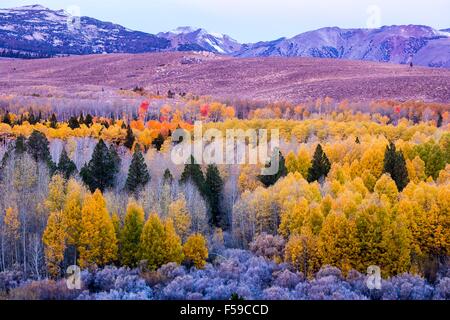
x,y
255,20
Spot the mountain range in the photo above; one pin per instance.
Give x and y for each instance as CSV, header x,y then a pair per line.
x,y
35,31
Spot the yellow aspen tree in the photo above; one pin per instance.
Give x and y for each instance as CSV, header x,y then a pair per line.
x,y
369,180
196,251
180,216
72,215
444,175
98,238
54,239
376,239
291,162
293,219
373,160
12,228
174,249
302,253
385,186
314,219
303,162
326,205
416,170
430,221
397,244
130,235
153,243
336,243
248,178
12,224
56,194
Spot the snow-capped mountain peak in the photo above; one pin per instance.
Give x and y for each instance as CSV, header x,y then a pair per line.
x,y
199,39
396,44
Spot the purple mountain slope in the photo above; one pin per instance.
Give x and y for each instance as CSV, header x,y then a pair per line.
x,y
397,44
36,30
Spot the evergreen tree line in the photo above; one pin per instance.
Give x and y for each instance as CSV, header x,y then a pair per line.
x,y
394,165
24,55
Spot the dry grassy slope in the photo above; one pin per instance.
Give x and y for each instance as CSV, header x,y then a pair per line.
x,y
275,79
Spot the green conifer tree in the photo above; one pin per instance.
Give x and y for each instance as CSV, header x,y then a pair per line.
x,y
66,167
268,179
138,175
129,139
193,172
395,165
320,165
214,187
101,171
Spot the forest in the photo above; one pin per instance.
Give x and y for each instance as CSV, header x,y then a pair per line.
x,y
359,184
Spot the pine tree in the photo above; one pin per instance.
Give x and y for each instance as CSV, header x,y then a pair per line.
x,y
395,165
167,177
98,237
66,167
115,158
270,179
320,166
158,142
130,235
440,120
153,243
31,118
214,187
88,121
73,123
53,121
7,119
129,139
138,175
21,146
101,171
37,147
196,251
193,172
81,118
54,239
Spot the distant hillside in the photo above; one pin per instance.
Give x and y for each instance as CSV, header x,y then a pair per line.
x,y
397,44
266,79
